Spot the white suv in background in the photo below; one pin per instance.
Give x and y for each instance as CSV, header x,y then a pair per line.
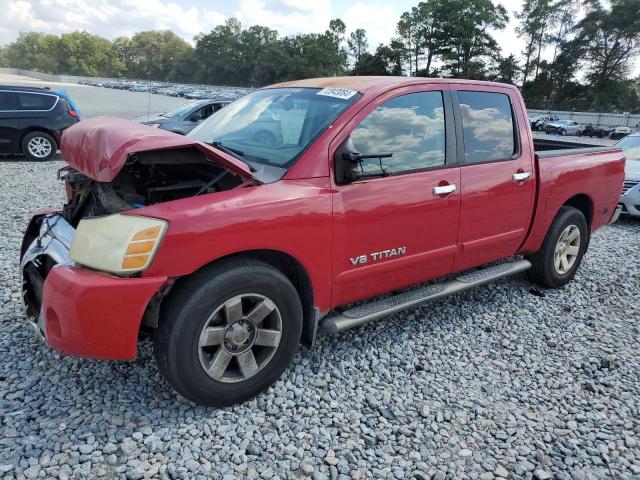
x,y
630,198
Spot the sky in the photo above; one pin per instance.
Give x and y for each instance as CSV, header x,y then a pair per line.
x,y
113,18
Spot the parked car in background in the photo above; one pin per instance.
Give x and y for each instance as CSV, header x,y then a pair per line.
x,y
564,127
183,118
32,120
630,198
231,251
618,132
541,122
594,131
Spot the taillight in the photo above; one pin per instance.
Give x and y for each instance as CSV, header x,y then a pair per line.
x,y
73,113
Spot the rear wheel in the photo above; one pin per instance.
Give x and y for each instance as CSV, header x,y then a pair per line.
x,y
562,250
38,146
228,332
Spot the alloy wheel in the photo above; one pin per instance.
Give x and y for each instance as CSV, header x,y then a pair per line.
x,y
240,338
567,250
39,147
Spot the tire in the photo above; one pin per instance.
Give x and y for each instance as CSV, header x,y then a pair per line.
x,y
38,146
205,299
563,132
544,270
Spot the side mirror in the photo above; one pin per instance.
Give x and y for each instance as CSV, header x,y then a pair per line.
x,y
348,163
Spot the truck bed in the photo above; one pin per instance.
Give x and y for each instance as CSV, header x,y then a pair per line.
x,y
545,145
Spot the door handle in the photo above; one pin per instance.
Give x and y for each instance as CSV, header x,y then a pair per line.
x,y
444,189
521,176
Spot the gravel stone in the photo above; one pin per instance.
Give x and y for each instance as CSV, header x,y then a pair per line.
x,y
496,372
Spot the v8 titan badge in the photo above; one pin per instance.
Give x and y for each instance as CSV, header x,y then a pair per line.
x,y
377,256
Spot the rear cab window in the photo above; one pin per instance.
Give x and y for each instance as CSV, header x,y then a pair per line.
x,y
488,126
35,101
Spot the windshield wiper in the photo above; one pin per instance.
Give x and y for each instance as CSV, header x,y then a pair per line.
x,y
234,152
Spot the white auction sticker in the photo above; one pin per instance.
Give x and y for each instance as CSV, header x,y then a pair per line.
x,y
343,93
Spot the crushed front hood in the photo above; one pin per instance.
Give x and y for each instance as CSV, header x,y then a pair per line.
x,y
100,146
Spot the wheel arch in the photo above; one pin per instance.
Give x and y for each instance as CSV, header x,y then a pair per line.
x,y
584,203
292,268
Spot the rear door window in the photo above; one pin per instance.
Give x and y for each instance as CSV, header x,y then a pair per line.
x,y
487,125
35,101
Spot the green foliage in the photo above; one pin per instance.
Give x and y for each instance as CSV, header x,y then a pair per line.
x,y
35,51
81,53
154,55
589,68
601,48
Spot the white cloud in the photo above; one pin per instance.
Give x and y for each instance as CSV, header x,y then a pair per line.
x,y
107,18
379,22
288,17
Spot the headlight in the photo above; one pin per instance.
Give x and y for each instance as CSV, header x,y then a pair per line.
x,y
117,243
154,125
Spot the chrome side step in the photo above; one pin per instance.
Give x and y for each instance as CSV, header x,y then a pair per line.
x,y
367,312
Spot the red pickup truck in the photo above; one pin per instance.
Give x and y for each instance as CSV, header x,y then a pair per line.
x,y
315,205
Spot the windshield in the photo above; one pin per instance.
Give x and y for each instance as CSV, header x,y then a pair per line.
x,y
631,147
179,111
270,128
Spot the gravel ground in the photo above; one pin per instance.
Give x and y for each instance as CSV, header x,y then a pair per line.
x,y
503,381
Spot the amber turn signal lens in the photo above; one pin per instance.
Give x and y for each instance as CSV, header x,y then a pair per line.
x,y
147,234
140,247
138,261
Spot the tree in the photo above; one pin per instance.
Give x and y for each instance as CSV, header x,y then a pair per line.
x,y
154,54
333,39
88,55
358,44
408,30
35,51
611,39
3,57
431,30
376,64
536,19
469,43
506,69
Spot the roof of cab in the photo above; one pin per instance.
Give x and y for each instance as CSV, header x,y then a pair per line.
x,y
364,84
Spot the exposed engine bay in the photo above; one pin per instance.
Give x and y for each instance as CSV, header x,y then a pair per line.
x,y
147,178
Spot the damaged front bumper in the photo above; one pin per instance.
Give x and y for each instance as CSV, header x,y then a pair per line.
x,y
78,311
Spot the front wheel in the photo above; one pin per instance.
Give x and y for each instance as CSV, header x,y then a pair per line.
x,y
228,332
562,250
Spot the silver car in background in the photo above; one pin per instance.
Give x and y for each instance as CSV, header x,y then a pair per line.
x,y
565,127
630,198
